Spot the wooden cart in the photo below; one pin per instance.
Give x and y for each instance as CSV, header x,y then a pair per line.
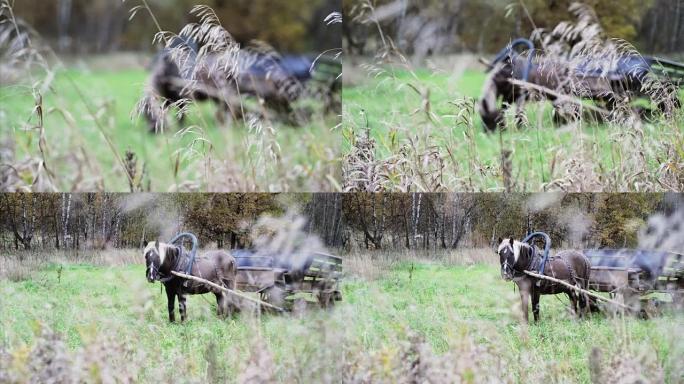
x,y
281,281
632,274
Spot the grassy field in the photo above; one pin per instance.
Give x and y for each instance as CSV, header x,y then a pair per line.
x,y
414,321
428,136
88,127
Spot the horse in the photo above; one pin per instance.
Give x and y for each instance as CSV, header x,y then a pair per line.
x,y
180,74
570,266
218,267
583,78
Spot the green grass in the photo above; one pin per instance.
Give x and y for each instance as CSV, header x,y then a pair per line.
x,y
76,144
395,112
445,306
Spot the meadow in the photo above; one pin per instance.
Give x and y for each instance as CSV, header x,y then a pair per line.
x,y
401,320
82,132
415,127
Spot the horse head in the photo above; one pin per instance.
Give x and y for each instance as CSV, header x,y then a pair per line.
x,y
507,257
159,260
514,257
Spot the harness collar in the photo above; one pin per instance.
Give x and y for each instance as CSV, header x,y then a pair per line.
x,y
182,255
533,258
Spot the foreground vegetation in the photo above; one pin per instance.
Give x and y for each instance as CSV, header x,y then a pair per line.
x,y
409,321
85,130
417,129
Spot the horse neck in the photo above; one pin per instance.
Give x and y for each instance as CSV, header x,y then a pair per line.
x,y
524,257
171,257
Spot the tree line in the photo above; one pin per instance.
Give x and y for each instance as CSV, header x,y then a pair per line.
x,y
432,221
102,220
415,221
86,26
424,27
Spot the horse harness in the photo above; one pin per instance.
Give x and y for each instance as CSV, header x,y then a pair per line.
x,y
187,259
182,257
535,264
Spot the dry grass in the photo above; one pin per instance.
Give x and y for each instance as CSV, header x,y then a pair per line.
x,y
439,316
70,128
373,265
411,129
20,265
416,321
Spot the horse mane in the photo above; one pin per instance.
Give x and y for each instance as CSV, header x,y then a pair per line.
x,y
517,247
163,249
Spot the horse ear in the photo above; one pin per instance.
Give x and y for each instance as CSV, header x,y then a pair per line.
x,y
156,244
500,240
510,240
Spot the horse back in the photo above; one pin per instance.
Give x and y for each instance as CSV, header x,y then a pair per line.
x,y
577,260
222,261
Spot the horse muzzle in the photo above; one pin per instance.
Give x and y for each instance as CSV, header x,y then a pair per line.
x,y
151,276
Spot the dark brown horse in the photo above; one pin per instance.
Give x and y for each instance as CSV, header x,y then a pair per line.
x,y
216,266
552,75
181,75
568,265
581,78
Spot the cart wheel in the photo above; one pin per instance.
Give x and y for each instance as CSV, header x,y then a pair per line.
x,y
274,295
326,299
678,300
633,301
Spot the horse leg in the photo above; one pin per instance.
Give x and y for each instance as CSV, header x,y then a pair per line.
x,y
171,300
585,300
573,302
182,106
227,305
221,113
584,305
535,304
219,304
223,305
564,112
519,110
524,297
181,306
229,301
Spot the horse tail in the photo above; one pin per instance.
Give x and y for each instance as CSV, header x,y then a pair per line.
x,y
587,271
233,271
229,270
586,301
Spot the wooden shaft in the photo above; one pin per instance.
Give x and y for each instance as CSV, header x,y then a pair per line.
x,y
544,277
558,95
224,289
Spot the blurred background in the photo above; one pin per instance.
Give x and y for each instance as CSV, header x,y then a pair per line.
x,y
433,27
101,26
346,222
91,88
